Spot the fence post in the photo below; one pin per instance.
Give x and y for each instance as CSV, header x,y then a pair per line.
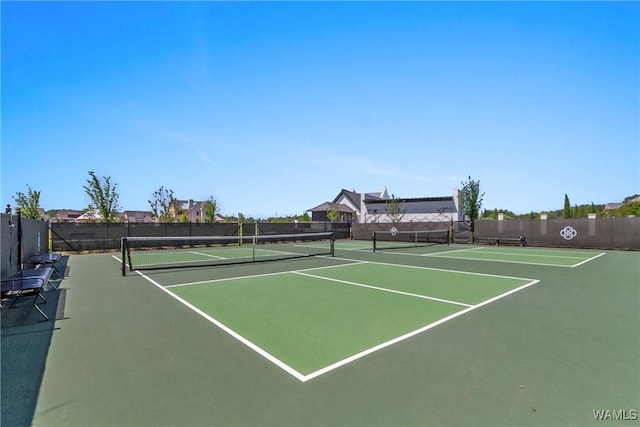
x,y
19,214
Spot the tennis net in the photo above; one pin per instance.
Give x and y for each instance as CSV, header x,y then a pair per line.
x,y
147,253
395,239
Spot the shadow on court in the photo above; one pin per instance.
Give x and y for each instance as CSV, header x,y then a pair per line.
x,y
25,340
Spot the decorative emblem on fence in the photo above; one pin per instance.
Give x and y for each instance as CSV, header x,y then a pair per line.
x,y
393,231
568,233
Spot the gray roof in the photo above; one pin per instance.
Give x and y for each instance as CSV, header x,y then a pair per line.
x,y
416,205
351,195
613,206
326,206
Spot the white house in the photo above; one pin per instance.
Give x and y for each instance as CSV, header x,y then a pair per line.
x,y
375,207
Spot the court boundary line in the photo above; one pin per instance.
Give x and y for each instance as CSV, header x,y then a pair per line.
x,y
419,267
206,255
588,260
443,255
491,251
251,276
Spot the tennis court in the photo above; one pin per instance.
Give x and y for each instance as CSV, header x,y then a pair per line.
x,y
534,256
432,335
313,320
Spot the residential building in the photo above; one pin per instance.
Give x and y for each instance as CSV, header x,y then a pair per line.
x,y
375,207
66,215
138,216
191,211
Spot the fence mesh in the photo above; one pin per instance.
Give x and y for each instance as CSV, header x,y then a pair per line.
x,y
603,233
101,237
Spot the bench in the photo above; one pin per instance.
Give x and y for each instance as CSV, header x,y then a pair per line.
x,y
45,273
25,283
46,260
520,241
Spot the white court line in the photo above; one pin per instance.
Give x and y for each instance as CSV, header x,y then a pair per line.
x,y
229,331
444,254
346,282
367,248
251,276
207,255
494,260
454,250
587,260
417,267
411,334
530,254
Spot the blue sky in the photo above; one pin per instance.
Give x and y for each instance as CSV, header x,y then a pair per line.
x,y
276,107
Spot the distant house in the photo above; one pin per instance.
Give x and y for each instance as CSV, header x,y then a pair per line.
x,y
320,212
375,207
612,206
191,211
421,209
91,215
66,215
138,216
349,204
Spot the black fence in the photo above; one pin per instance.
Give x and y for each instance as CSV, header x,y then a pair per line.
x,y
365,231
598,233
77,237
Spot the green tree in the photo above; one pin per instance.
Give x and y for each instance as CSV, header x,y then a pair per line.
x,y
493,215
628,209
104,197
471,202
29,203
333,215
211,209
393,209
162,203
566,213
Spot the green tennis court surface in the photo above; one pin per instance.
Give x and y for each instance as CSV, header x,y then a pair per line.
x,y
310,321
410,337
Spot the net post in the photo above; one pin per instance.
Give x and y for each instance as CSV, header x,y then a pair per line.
x,y
373,239
254,242
333,244
123,256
